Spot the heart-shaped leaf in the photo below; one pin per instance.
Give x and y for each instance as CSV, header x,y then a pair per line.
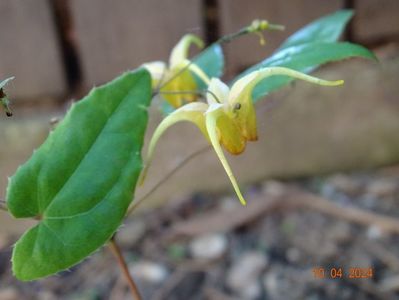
x,y
80,182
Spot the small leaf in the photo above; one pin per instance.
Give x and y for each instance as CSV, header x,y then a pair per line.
x,y
4,82
304,58
80,182
326,29
211,61
3,96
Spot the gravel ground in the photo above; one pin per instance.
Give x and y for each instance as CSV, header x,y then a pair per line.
x,y
278,254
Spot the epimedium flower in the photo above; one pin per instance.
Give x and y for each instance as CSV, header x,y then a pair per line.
x,y
228,119
178,76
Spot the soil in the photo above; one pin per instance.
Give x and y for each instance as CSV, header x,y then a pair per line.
x,y
282,254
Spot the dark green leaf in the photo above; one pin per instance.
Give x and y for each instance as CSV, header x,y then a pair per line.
x,y
79,183
304,58
325,29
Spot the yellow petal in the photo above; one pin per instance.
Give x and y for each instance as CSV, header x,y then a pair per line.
x,y
157,70
241,108
180,51
211,126
248,82
182,82
230,136
193,112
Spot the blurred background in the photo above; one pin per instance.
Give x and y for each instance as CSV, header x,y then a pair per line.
x,y
334,153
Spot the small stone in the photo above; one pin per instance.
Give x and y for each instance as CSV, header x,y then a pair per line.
x,y
148,272
293,255
273,188
271,284
375,233
208,246
131,233
243,275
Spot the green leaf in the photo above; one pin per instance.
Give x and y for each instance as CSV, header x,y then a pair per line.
x,y
308,48
80,182
325,29
304,58
211,61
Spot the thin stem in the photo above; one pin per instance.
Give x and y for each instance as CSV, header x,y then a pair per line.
x,y
200,93
3,205
253,28
116,251
166,178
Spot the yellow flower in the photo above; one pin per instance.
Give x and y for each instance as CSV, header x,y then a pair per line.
x,y
178,75
228,118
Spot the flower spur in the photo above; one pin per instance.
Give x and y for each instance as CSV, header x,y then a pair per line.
x,y
228,119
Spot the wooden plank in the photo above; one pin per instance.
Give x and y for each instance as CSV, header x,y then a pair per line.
x,y
115,36
376,20
294,14
310,130
29,49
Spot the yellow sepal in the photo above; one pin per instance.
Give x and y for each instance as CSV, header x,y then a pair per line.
x,y
193,112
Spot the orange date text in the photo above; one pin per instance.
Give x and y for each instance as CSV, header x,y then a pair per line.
x,y
338,272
